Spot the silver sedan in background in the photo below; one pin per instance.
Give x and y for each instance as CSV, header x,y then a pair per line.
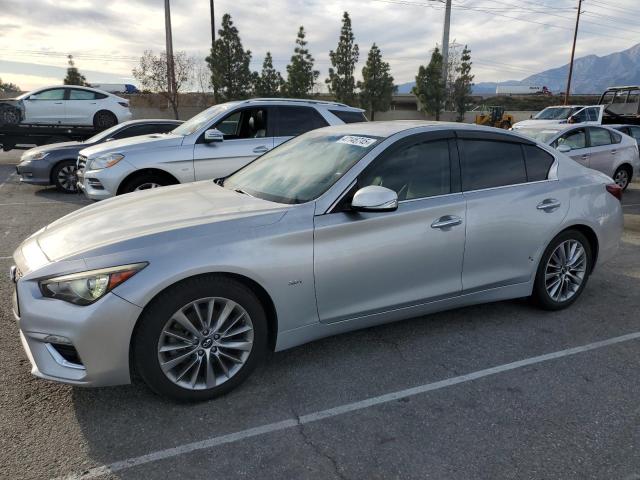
x,y
340,228
599,147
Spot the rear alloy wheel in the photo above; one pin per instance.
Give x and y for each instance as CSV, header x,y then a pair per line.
x,y
64,176
212,340
622,177
104,119
563,271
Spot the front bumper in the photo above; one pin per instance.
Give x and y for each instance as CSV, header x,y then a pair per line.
x,y
100,334
98,184
34,172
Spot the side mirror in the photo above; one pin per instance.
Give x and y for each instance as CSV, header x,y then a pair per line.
x,y
564,148
375,199
213,136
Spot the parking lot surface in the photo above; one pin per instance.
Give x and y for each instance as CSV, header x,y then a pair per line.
x,y
340,407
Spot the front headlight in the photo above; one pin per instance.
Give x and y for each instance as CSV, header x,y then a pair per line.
x,y
105,161
85,288
35,156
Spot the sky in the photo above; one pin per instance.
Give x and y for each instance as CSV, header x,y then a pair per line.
x,y
509,39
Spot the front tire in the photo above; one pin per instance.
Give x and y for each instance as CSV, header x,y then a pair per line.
x,y
146,181
563,271
200,339
64,176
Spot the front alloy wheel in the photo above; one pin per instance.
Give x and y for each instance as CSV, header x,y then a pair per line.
x,y
205,343
200,338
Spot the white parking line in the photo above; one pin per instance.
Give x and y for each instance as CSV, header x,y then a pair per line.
x,y
340,410
5,258
631,205
61,202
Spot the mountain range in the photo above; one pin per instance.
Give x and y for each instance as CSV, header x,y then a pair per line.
x,y
591,74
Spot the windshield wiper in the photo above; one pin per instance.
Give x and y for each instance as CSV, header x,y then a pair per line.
x,y
239,190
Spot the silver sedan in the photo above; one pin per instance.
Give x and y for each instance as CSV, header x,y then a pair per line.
x,y
338,229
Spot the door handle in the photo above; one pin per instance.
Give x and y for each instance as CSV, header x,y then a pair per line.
x,y
58,103
548,204
613,152
261,149
584,156
446,221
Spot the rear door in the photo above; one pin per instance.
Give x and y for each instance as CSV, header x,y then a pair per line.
x,y
46,106
81,105
603,151
512,209
292,121
368,263
248,133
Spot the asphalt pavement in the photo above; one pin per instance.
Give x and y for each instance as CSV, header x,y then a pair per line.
x,y
497,391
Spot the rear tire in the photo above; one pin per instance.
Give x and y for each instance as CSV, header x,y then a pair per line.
x,y
104,119
205,370
622,177
563,271
146,181
64,176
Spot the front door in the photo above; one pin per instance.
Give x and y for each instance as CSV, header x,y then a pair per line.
x,y
247,135
368,263
46,106
577,140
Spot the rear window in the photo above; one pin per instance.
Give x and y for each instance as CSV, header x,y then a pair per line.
x,y
349,117
599,137
293,121
488,164
538,163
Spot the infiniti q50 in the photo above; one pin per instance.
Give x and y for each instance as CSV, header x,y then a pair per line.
x,y
340,228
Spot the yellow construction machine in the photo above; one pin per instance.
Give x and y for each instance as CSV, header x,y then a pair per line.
x,y
494,116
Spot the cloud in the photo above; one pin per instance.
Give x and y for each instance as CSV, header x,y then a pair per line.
x,y
509,39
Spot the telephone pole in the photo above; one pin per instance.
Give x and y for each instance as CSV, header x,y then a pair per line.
x,y
445,41
213,42
573,52
169,39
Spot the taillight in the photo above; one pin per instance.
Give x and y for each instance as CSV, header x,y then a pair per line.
x,y
615,190
124,104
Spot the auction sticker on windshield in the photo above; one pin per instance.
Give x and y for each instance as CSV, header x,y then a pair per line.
x,y
363,142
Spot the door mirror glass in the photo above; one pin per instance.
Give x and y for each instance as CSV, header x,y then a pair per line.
x,y
212,136
375,199
564,148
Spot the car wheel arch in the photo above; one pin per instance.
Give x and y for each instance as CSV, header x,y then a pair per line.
x,y
146,171
53,167
262,294
591,235
628,167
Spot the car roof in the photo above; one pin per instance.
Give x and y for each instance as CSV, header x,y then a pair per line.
x,y
297,101
388,128
151,120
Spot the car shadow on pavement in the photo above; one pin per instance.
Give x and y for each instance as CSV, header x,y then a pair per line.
x,y
52,194
124,422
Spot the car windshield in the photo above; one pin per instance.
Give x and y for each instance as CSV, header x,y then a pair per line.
x,y
554,113
200,120
543,135
303,168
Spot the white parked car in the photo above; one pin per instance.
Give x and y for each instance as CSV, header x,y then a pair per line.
x,y
564,114
66,105
213,144
598,147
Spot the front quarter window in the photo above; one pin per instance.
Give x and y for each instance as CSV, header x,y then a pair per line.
x,y
301,169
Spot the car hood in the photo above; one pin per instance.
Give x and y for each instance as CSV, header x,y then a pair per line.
x,y
151,212
128,145
537,123
55,147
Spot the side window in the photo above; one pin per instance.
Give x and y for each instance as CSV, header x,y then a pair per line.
x,y
294,121
487,164
580,116
575,139
53,94
418,170
615,137
243,124
593,114
349,117
599,137
538,163
635,132
76,94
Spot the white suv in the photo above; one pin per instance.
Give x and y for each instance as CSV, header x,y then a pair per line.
x,y
213,144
